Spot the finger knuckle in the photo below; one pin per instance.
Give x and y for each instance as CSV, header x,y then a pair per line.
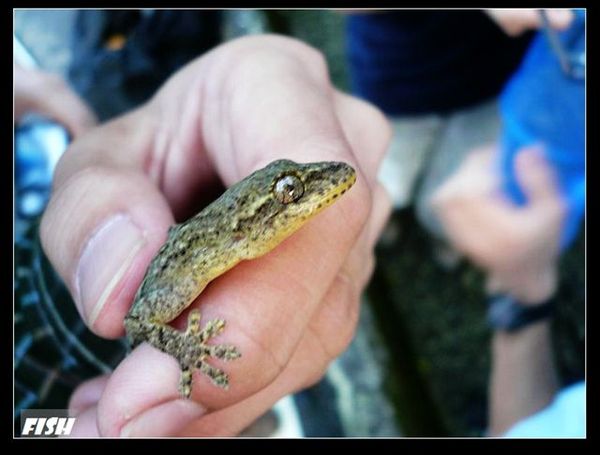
x,y
360,211
314,377
64,202
369,268
348,300
250,57
377,119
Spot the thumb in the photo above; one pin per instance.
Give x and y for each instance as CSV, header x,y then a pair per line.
x,y
100,231
536,176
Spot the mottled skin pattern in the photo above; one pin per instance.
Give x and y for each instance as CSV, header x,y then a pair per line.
x,y
248,220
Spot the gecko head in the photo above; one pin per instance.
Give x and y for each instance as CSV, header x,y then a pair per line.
x,y
273,202
304,189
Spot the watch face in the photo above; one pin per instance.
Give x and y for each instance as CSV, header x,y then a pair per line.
x,y
502,312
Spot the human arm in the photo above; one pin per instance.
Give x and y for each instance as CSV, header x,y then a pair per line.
x,y
516,21
518,248
513,22
523,379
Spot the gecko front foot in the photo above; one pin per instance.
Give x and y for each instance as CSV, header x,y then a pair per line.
x,y
194,352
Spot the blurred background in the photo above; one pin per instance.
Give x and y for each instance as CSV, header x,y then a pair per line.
x,y
419,363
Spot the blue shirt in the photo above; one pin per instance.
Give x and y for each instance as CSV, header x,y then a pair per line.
x,y
541,104
564,418
423,61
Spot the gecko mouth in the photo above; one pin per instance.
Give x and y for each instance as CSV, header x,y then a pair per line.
x,y
337,191
341,178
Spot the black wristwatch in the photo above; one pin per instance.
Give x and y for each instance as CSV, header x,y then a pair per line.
x,y
508,315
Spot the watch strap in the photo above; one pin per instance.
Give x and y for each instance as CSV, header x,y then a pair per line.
x,y
506,314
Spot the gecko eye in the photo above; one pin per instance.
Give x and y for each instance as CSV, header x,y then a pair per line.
x,y
288,189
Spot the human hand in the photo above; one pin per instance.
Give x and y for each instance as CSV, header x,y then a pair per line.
x,y
48,94
119,187
517,21
517,246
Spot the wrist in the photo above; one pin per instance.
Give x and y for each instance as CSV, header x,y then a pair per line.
x,y
533,332
538,290
530,287
524,379
509,315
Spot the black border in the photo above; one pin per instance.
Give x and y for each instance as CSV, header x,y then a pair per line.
x,y
302,444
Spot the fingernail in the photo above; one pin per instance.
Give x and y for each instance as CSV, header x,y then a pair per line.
x,y
164,420
105,259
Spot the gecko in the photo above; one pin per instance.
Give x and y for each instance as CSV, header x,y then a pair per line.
x,y
248,220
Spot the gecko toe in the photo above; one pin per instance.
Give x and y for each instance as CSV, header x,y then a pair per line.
x,y
224,352
217,376
193,327
185,383
211,329
192,352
